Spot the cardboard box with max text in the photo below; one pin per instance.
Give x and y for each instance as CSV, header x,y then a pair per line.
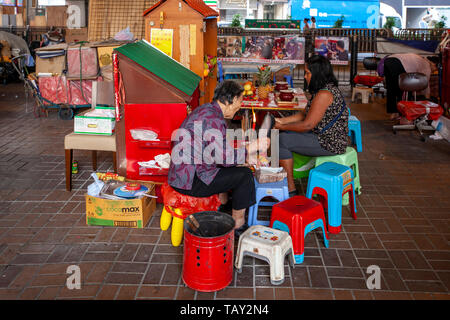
x,y
131,213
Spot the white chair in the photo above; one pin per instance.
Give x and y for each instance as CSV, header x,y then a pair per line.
x,y
268,244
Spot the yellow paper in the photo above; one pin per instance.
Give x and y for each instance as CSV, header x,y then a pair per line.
x,y
192,39
162,39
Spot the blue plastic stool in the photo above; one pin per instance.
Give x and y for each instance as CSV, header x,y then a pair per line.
x,y
354,131
220,69
278,190
289,80
331,181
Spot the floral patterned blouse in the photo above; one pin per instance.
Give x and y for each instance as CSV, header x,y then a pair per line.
x,y
334,139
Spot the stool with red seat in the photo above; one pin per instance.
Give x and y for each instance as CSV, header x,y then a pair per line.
x,y
179,206
298,215
364,82
419,112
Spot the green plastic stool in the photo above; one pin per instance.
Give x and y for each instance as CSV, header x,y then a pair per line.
x,y
302,165
349,159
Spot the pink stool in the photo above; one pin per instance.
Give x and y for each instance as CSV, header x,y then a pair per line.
x,y
298,215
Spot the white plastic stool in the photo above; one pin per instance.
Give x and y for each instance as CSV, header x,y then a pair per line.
x,y
267,244
365,93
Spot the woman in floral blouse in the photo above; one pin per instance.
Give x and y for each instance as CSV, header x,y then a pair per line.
x,y
205,163
322,129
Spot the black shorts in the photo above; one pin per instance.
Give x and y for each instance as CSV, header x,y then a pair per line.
x,y
237,179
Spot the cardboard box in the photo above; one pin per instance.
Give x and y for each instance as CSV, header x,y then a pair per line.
x,y
6,49
75,35
131,213
94,125
54,65
105,55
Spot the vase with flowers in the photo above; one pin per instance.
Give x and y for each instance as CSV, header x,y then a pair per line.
x,y
264,74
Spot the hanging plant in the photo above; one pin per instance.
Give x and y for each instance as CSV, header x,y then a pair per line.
x,y
209,63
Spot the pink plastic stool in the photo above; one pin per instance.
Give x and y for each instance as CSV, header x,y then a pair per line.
x,y
298,215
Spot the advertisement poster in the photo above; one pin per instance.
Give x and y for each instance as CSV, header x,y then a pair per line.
x,y
229,47
357,13
162,39
262,49
333,48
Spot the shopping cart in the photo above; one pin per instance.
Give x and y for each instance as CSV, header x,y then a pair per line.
x,y
41,105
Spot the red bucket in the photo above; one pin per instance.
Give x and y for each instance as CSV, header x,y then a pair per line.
x,y
208,259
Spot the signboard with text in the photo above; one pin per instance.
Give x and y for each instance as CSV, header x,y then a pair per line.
x,y
269,23
162,39
357,13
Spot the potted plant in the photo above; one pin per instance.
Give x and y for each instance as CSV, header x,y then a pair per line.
x,y
339,22
264,74
441,23
236,22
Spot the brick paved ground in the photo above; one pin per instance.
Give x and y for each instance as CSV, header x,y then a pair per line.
x,y
402,225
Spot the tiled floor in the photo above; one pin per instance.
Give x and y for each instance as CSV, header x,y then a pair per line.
x,y
402,226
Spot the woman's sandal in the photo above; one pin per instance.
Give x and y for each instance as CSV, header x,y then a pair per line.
x,y
240,230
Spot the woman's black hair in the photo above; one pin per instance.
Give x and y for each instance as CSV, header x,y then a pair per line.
x,y
434,59
226,91
321,73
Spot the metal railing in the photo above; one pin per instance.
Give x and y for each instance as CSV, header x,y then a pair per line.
x,y
28,33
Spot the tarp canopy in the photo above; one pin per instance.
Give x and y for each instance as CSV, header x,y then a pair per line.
x,y
386,47
15,42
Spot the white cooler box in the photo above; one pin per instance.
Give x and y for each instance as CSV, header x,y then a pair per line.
x,y
95,124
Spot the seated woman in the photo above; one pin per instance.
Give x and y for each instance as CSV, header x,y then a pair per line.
x,y
201,174
322,129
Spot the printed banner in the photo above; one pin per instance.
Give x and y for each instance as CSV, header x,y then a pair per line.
x,y
229,47
262,49
162,39
334,49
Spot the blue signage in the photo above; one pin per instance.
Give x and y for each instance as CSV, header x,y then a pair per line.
x,y
357,13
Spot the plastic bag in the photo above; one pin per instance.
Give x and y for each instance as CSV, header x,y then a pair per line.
x,y
142,134
124,34
442,126
267,175
188,204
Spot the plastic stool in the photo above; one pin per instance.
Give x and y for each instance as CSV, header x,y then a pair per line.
x,y
302,165
220,71
267,244
349,159
289,80
332,181
365,93
179,206
298,216
278,190
354,131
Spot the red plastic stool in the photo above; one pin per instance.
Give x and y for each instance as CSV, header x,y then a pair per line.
x,y
179,206
298,215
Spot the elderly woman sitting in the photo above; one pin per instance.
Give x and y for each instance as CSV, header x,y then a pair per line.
x,y
322,129
204,163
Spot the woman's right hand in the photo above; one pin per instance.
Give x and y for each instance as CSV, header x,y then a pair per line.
x,y
261,145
